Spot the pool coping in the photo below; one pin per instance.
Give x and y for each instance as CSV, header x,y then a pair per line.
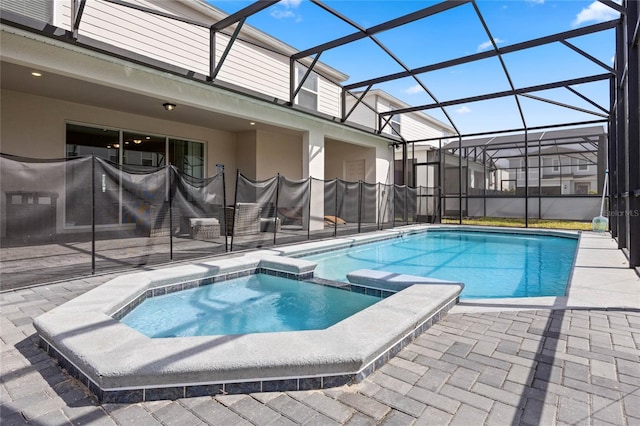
x,y
119,364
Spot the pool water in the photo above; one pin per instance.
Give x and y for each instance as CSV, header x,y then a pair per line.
x,y
258,303
490,264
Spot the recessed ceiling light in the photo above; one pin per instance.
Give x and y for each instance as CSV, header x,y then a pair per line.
x,y
148,137
169,107
116,145
252,123
137,141
36,74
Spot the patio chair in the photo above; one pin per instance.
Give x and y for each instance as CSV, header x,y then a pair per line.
x,y
204,228
291,215
246,219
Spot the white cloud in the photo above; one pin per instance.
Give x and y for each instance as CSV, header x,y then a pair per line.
x,y
290,3
463,110
595,12
282,14
284,10
487,44
414,89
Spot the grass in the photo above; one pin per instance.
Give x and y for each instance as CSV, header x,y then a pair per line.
x,y
519,223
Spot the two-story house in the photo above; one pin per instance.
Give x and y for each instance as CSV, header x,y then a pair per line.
x,y
149,83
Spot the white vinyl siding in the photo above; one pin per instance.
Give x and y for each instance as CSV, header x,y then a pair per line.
x,y
362,115
41,10
155,37
412,126
329,99
187,46
254,68
415,128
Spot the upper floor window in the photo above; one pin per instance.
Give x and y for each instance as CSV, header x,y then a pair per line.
x,y
555,164
583,165
395,122
308,93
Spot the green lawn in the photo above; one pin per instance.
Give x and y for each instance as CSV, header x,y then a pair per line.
x,y
519,223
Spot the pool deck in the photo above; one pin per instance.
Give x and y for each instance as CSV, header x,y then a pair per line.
x,y
564,360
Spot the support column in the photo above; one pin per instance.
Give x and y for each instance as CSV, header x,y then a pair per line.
x,y
633,132
621,138
313,153
612,158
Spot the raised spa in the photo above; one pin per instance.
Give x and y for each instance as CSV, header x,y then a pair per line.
x,y
258,303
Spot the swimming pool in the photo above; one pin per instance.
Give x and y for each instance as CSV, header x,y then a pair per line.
x,y
490,264
257,303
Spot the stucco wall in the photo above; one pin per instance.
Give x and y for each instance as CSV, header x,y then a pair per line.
x,y
279,153
34,126
246,150
338,153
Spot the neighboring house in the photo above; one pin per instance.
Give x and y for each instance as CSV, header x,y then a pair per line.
x,y
563,171
492,178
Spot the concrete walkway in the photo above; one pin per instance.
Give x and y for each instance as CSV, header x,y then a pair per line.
x,y
572,360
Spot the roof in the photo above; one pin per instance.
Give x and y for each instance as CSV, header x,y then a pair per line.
x,y
552,137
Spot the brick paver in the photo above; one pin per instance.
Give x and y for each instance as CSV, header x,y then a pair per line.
x,y
499,368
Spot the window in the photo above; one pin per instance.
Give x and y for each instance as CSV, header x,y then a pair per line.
x,y
582,188
395,122
555,164
583,165
308,93
143,151
82,140
137,149
187,156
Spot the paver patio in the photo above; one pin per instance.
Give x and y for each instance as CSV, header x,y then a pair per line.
x,y
495,365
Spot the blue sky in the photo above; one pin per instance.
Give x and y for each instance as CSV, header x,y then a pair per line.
x,y
451,34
